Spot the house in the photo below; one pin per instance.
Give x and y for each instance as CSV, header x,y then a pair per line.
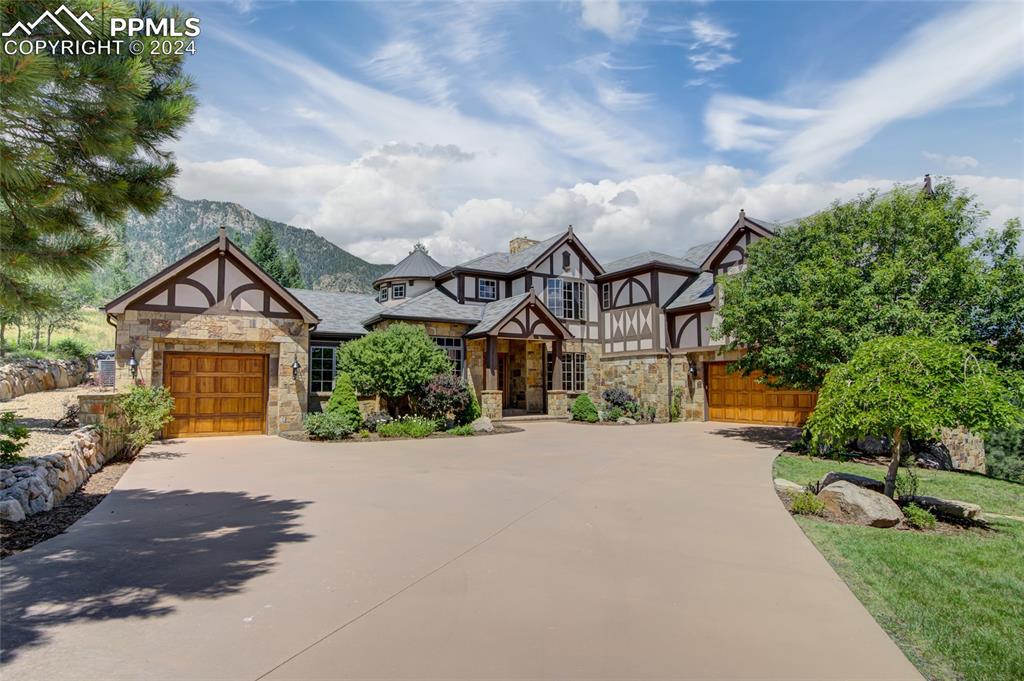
x,y
530,328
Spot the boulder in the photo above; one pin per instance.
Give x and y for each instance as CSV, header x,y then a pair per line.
x,y
11,511
933,455
784,486
862,506
948,508
482,425
859,480
626,421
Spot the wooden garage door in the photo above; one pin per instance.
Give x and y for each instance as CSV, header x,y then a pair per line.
x,y
216,394
735,397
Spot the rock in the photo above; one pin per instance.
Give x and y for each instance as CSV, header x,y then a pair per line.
x,y
11,511
482,425
784,486
859,480
862,506
877,446
933,455
626,421
949,508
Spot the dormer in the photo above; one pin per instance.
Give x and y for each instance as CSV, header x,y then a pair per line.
x,y
412,277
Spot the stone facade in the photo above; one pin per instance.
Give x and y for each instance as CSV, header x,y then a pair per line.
x,y
490,404
151,334
966,450
558,403
30,376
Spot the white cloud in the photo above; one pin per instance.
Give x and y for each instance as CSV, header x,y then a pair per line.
x,y
618,97
749,124
951,162
402,64
611,18
954,57
712,45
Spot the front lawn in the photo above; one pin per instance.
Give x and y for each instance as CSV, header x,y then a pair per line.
x,y
954,602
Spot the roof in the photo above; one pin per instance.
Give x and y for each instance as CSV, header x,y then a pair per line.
x,y
695,255
503,262
417,265
496,311
340,313
434,305
648,258
700,292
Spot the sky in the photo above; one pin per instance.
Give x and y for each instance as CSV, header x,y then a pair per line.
x,y
645,126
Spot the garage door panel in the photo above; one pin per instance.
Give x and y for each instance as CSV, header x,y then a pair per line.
x,y
217,394
734,397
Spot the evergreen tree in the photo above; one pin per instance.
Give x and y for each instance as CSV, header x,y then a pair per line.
x,y
292,272
263,250
81,142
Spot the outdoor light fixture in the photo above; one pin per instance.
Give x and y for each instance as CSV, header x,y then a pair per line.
x,y
295,368
692,361
133,366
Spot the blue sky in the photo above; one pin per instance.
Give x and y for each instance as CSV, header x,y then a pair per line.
x,y
646,126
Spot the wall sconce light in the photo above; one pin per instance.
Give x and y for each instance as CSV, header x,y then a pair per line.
x,y
295,368
692,362
133,366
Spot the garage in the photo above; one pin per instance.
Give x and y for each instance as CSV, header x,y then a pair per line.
x,y
738,398
216,394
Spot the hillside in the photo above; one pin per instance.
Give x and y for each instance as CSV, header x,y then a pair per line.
x,y
154,242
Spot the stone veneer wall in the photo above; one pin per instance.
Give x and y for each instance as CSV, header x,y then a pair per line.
x,y
966,450
151,334
29,376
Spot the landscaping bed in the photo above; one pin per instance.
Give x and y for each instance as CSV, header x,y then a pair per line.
x,y
952,597
498,429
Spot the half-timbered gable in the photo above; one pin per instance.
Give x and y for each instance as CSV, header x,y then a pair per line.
x,y
731,251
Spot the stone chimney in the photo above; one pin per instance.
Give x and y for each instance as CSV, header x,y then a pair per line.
x,y
520,243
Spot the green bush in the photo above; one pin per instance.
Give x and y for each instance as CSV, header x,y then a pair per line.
x,y
472,412
344,404
806,503
461,431
145,410
13,439
1004,454
583,409
72,349
407,426
326,426
613,414
918,517
374,420
444,397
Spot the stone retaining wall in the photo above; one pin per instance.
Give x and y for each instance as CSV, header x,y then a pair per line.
x,y
30,376
39,483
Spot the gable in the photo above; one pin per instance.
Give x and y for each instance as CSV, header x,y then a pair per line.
x,y
567,257
731,251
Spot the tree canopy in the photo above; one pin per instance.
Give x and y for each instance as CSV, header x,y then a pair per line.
x,y
264,251
909,388
903,263
81,143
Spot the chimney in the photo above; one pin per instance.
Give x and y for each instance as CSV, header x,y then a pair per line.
x,y
927,188
520,243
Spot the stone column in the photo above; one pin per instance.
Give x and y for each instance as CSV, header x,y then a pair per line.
x,y
558,403
491,364
490,404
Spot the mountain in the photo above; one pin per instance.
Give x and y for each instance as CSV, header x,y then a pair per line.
x,y
154,242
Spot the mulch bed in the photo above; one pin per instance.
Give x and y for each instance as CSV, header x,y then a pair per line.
x,y
374,437
15,537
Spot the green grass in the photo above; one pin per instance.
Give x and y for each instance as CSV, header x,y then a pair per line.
x,y
994,496
93,332
953,602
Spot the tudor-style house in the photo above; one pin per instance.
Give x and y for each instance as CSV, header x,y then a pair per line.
x,y
529,329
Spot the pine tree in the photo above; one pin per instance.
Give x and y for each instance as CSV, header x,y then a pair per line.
x,y
263,250
292,272
81,142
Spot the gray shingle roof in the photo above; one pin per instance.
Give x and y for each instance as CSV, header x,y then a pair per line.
x,y
431,305
701,291
417,265
496,311
502,262
696,255
645,258
339,312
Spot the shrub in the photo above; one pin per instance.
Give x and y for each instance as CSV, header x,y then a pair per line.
x,y
444,397
676,410
408,426
472,411
13,439
583,409
613,414
617,397
144,410
71,349
343,402
326,426
918,517
376,419
463,430
806,503
1004,454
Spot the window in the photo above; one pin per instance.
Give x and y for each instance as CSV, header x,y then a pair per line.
x,y
322,367
566,260
574,371
383,294
487,289
565,298
606,295
453,346
397,291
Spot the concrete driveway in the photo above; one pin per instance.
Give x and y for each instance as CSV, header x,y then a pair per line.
x,y
562,552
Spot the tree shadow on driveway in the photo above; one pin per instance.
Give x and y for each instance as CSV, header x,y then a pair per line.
x,y
137,549
769,436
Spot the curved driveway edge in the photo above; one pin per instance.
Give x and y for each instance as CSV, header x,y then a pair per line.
x,y
562,552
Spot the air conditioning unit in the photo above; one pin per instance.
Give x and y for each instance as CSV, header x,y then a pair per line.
x,y
107,368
